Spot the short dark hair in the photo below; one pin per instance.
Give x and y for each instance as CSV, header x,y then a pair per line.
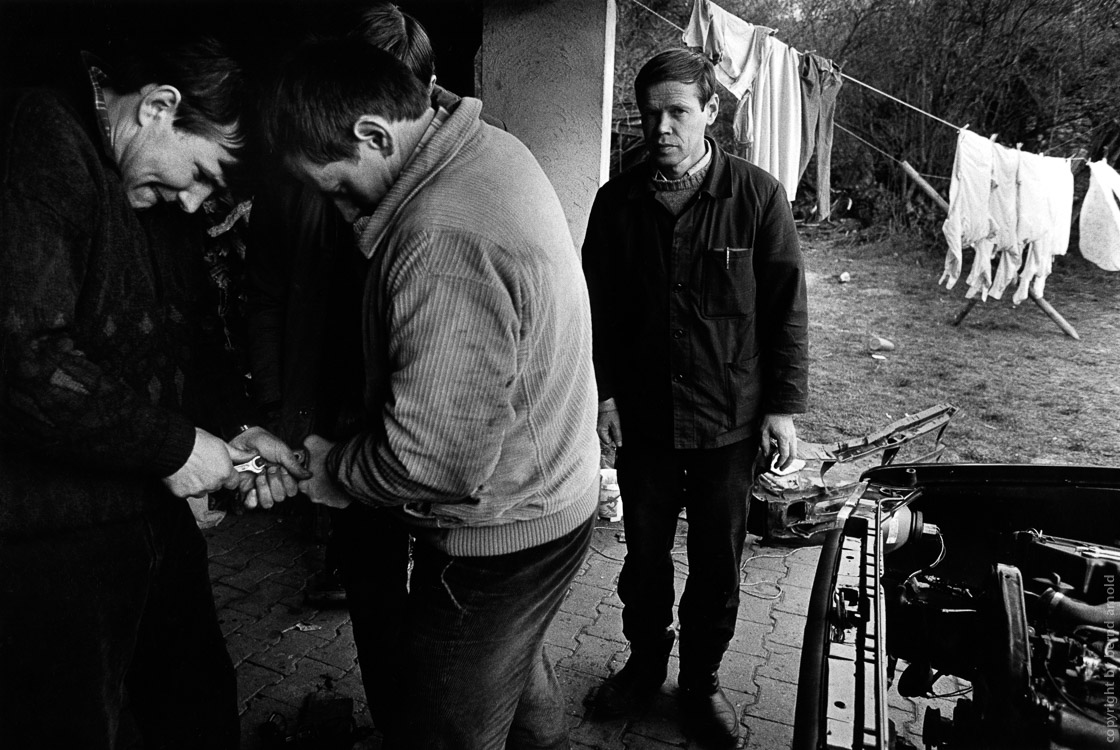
x,y
212,83
680,65
322,90
386,26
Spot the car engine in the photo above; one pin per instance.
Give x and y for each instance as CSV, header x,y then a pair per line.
x,y
1027,618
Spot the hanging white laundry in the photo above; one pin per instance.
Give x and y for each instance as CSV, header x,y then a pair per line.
x,y
1100,217
742,126
1045,216
969,217
1004,205
737,48
776,109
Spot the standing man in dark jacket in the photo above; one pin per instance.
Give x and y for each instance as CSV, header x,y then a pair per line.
x,y
105,599
699,316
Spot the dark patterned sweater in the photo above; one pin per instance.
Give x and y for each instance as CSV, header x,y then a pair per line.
x,y
106,335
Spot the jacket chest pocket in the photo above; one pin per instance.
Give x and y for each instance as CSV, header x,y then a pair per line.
x,y
727,282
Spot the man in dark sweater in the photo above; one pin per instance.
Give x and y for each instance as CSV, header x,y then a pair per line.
x,y
107,378
698,309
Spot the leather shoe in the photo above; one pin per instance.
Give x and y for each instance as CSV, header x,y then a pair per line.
x,y
633,687
709,716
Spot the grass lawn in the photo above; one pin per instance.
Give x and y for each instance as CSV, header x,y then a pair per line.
x,y
1027,393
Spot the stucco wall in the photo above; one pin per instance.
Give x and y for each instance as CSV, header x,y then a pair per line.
x,y
546,69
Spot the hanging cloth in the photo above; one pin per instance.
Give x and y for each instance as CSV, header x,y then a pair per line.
x,y
1045,216
969,217
1100,217
737,49
1004,206
776,110
820,84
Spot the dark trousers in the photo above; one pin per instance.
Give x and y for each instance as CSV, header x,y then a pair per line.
x,y
477,676
100,618
371,549
714,487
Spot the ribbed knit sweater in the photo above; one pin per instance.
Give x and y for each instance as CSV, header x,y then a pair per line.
x,y
478,351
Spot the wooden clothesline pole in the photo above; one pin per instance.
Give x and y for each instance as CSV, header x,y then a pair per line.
x,y
1043,304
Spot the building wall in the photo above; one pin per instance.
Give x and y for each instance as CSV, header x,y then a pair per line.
x,y
546,69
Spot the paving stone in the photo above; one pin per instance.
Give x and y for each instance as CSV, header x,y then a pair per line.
x,y
767,735
565,628
231,620
256,713
607,624
583,599
789,630
307,676
250,575
592,656
784,664
251,679
284,655
265,596
765,560
737,672
795,599
601,572
749,638
338,651
272,623
225,595
331,620
754,606
241,647
776,701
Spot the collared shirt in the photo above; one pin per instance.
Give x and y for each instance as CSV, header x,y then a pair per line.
x,y
700,164
700,322
98,79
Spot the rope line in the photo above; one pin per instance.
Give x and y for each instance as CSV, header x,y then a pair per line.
x,y
654,12
896,99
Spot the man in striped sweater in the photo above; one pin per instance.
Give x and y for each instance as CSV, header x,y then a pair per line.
x,y
480,396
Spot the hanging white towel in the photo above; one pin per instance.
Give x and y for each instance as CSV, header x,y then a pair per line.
x,y
969,217
1100,217
737,48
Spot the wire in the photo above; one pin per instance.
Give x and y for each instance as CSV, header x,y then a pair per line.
x,y
896,99
866,143
654,12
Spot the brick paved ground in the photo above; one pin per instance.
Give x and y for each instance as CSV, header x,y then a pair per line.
x,y
283,649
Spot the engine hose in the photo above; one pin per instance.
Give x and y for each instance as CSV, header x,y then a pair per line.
x,y
1061,608
1072,730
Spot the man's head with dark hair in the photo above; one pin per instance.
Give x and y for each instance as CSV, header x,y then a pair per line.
x,y
212,84
386,26
176,117
678,101
344,116
679,65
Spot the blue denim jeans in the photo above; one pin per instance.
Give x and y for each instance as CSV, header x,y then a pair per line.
x,y
476,673
714,486
110,622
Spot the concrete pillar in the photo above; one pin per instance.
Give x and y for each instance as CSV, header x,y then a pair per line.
x,y
546,68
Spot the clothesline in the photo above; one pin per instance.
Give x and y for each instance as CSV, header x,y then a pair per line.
x,y
842,73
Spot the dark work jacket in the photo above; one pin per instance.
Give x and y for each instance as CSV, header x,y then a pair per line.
x,y
110,348
700,322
